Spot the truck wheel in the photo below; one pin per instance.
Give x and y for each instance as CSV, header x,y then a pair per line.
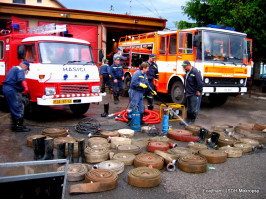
x,y
79,109
126,85
177,93
217,99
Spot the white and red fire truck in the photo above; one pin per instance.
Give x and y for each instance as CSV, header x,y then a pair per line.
x,y
221,54
62,69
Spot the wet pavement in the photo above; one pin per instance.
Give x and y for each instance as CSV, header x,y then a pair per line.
x,y
236,178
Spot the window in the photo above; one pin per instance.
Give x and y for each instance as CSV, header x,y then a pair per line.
x,y
172,45
1,50
30,54
19,1
39,1
162,47
185,43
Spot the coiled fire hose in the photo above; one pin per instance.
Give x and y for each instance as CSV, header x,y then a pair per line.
x,y
182,135
225,141
98,180
76,172
106,134
192,164
144,177
232,152
157,145
96,155
67,140
55,132
115,141
96,141
196,147
150,117
213,156
149,159
243,146
114,165
180,151
126,158
129,148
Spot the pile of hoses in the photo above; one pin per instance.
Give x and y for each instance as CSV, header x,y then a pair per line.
x,y
88,126
98,180
150,117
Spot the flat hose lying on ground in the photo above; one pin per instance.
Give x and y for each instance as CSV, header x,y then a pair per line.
x,y
149,159
213,156
76,172
192,164
98,180
168,158
144,177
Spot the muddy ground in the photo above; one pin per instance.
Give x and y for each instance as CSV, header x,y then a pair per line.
x,y
236,178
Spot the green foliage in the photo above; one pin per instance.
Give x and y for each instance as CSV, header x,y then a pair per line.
x,y
247,16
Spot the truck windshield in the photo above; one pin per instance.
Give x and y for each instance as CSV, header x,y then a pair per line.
x,y
223,47
65,53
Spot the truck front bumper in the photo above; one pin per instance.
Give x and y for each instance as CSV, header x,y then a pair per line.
x,y
70,99
224,90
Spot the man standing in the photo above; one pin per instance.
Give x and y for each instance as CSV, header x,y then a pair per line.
x,y
14,86
193,88
117,75
104,71
151,74
138,85
119,54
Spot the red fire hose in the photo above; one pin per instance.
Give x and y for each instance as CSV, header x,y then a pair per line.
x,y
151,117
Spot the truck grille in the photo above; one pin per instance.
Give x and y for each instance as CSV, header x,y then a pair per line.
x,y
74,89
224,82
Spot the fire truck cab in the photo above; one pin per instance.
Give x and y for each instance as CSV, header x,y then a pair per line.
x,y
62,69
223,56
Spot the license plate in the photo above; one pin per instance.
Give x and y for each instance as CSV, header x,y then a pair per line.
x,y
62,101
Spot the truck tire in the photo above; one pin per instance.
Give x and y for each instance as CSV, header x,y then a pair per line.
x,y
178,93
79,109
126,85
217,99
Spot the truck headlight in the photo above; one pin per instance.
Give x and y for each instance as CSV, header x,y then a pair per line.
x,y
95,89
241,81
50,91
206,80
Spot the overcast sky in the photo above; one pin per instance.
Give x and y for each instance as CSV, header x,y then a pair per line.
x,y
166,9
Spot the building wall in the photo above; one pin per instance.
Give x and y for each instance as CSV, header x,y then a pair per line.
x,y
45,3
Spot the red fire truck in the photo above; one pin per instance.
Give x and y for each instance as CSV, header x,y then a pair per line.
x,y
62,69
223,56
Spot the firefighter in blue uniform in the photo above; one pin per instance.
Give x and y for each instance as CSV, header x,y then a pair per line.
x,y
151,74
138,85
105,71
14,86
117,76
193,88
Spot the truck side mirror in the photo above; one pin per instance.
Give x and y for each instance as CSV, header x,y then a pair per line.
x,y
101,55
21,52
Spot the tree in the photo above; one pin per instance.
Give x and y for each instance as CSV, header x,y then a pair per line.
x,y
247,16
